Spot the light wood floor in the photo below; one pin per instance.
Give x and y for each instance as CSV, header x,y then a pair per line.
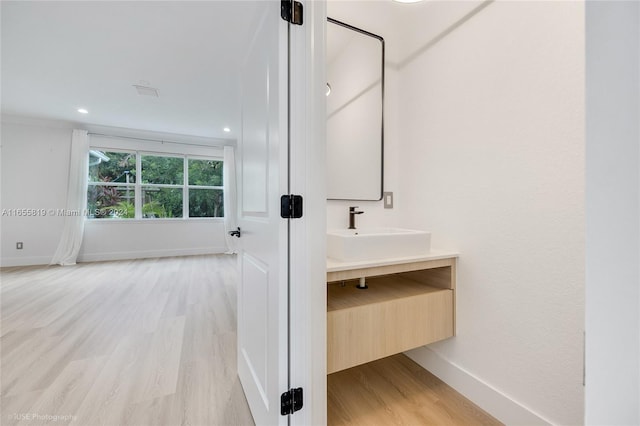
x,y
153,342
397,391
146,342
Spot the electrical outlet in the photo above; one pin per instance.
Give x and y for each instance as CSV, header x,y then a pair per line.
x,y
388,200
19,245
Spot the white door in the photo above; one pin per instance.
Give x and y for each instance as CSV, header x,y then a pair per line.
x,y
263,360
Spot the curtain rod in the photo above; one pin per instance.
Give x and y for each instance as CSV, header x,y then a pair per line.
x,y
162,141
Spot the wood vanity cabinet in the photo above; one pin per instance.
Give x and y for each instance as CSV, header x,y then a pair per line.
x,y
408,304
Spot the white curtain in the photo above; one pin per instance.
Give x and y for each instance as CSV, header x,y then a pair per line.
x,y
73,228
230,199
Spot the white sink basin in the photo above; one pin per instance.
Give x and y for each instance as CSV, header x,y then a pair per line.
x,y
376,243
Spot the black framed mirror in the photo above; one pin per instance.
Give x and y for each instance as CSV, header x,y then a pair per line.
x,y
355,113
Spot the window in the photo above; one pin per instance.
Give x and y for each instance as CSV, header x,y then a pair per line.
x,y
205,188
162,186
111,190
169,186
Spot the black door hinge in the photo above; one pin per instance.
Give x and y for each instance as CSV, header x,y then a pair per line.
x,y
291,11
291,401
291,206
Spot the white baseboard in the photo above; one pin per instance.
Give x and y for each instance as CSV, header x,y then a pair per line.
x,y
25,261
121,255
494,402
127,255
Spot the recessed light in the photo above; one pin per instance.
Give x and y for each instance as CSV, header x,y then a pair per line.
x,y
83,111
226,129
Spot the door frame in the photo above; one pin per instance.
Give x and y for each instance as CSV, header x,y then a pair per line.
x,y
307,262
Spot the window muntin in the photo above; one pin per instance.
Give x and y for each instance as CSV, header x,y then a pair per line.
x,y
168,186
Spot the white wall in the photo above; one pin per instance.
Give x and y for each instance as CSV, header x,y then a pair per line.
x,y
140,239
613,213
492,162
485,133
35,162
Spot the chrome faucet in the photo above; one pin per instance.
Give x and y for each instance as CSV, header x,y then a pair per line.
x,y
352,216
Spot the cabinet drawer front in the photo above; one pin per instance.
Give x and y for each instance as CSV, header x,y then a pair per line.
x,y
365,333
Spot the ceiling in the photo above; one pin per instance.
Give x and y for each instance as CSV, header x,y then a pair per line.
x,y
61,56
407,28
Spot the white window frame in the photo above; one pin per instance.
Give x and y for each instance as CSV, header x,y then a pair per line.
x,y
187,186
138,185
115,184
158,185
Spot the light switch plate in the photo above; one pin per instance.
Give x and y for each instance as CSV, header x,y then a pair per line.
x,y
387,197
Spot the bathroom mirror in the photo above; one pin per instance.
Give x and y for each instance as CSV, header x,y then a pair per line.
x,y
355,92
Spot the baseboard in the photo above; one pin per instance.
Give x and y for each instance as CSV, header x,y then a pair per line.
x,y
120,255
145,254
25,261
496,403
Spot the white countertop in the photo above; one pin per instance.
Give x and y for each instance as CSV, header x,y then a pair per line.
x,y
336,265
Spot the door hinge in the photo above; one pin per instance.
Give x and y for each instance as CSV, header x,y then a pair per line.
x,y
291,11
291,206
291,401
